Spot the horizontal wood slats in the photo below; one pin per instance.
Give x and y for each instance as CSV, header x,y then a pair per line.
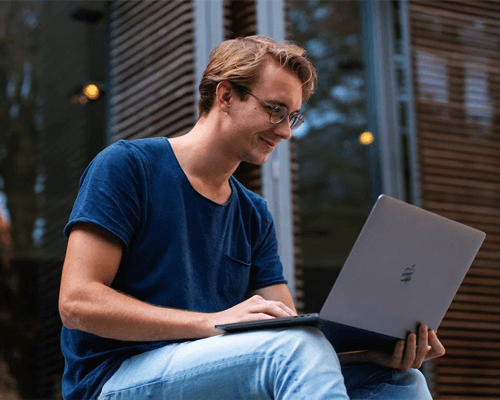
x,y
152,90
240,18
456,65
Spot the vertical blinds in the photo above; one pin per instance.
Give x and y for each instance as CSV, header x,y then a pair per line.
x,y
456,65
151,84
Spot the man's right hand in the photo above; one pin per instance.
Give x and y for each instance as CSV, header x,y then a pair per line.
x,y
253,309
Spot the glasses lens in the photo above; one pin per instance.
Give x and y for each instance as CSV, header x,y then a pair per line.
x,y
278,114
296,120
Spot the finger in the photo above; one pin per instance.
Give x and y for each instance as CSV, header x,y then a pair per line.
x,y
422,346
282,309
397,355
275,309
258,301
437,349
256,317
410,352
287,309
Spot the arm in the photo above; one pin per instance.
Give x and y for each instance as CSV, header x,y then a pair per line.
x,y
88,303
407,354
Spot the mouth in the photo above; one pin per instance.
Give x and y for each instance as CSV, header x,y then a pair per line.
x,y
268,144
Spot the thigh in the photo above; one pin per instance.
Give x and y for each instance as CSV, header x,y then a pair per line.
x,y
265,364
374,382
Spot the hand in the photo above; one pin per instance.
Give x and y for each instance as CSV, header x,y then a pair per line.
x,y
412,352
253,309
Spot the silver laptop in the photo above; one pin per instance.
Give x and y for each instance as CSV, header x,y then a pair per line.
x,y
404,270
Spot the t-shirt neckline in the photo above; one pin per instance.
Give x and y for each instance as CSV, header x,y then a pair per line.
x,y
184,176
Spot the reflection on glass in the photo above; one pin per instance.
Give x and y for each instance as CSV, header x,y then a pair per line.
x,y
46,140
334,186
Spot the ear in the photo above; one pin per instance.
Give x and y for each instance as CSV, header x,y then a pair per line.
x,y
223,95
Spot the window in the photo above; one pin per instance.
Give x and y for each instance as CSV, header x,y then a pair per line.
x,y
335,194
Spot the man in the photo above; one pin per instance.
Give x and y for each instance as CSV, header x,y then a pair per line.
x,y
164,244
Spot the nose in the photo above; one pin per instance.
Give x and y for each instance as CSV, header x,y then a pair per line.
x,y
283,129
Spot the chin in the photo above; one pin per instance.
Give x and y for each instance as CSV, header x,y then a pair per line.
x,y
255,159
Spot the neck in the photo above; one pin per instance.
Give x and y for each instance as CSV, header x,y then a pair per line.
x,y
201,155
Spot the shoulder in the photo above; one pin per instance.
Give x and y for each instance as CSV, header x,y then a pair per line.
x,y
139,148
247,195
130,155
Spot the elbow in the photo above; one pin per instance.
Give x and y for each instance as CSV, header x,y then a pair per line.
x,y
68,311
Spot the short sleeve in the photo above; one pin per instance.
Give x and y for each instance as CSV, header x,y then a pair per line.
x,y
111,191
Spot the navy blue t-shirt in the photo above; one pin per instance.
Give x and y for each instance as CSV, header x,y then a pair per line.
x,y
181,250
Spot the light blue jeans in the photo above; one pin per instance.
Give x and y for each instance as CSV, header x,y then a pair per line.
x,y
286,364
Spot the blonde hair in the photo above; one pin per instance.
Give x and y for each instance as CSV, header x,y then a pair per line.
x,y
239,61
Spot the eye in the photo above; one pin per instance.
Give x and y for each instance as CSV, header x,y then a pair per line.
x,y
276,109
281,110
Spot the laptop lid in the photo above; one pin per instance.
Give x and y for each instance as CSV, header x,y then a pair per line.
x,y
404,269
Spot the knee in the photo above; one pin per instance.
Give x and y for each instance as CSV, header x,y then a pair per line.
x,y
303,335
415,380
305,341
412,377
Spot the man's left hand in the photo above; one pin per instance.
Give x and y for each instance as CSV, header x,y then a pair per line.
x,y
412,352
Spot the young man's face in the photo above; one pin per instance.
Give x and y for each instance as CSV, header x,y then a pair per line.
x,y
253,133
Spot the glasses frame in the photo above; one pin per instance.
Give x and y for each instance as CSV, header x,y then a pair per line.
x,y
296,119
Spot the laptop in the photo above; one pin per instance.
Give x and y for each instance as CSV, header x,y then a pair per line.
x,y
403,271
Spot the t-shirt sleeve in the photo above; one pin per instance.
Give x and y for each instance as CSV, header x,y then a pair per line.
x,y
110,192
266,265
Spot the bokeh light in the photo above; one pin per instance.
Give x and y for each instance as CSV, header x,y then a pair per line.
x,y
366,138
91,91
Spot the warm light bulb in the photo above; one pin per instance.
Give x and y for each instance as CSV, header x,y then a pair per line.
x,y
91,91
366,138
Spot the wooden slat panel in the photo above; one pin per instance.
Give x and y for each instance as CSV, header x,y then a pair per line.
x,y
158,82
456,68
139,62
438,8
240,18
464,9
152,90
132,27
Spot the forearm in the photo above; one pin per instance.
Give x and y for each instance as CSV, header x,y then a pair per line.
x,y
102,311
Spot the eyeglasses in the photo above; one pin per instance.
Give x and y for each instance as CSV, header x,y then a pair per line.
x,y
278,113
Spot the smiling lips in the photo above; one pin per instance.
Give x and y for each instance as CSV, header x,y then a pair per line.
x,y
269,144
